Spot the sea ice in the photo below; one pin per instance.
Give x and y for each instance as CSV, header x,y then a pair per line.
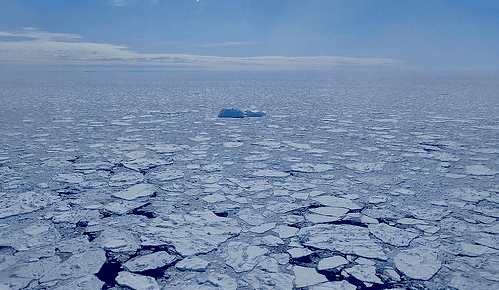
x,y
392,235
347,239
299,252
69,177
335,285
262,228
149,262
270,173
167,175
364,273
337,212
263,280
136,191
365,167
24,202
222,281
243,257
331,262
333,201
418,263
286,231
480,170
191,234
193,263
126,178
307,276
310,168
136,281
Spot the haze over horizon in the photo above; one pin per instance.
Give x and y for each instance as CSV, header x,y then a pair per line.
x,y
422,35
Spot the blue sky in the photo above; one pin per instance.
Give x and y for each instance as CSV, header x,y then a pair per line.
x,y
459,35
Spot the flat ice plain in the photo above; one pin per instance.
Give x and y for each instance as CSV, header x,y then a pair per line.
x,y
129,180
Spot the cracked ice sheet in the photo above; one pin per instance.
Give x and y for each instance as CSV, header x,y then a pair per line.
x,y
418,263
243,257
190,234
392,235
150,261
347,239
24,203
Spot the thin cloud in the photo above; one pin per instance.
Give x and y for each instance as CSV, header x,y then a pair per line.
x,y
119,3
34,47
228,43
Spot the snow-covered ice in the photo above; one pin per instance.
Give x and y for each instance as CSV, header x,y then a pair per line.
x,y
114,182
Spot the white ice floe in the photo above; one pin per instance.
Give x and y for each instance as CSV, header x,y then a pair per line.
x,y
87,282
418,263
286,231
251,217
460,282
270,173
310,168
337,212
136,281
392,235
346,239
193,263
264,280
307,277
319,218
222,281
126,178
78,265
24,202
299,252
470,194
117,240
213,198
233,144
271,241
331,262
167,175
150,261
243,257
214,167
136,191
191,234
366,167
364,273
121,207
480,170
377,199
298,186
69,177
335,285
166,148
474,250
262,228
140,164
333,201
269,264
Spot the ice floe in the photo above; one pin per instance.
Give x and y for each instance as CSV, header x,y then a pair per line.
x,y
136,281
418,263
150,262
347,239
107,189
136,191
307,276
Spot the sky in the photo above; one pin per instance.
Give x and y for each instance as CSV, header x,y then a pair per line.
x,y
253,34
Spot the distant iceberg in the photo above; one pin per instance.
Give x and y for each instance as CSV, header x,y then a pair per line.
x,y
236,113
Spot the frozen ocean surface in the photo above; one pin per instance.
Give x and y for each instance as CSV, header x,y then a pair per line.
x,y
129,180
